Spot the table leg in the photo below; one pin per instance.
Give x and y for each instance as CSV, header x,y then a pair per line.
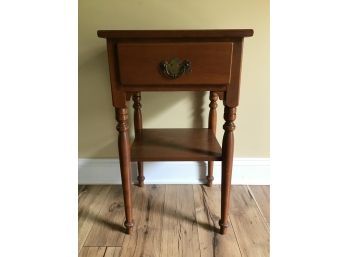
x,y
212,125
227,160
138,125
125,164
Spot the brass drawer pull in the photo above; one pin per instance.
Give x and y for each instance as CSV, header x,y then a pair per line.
x,y
174,68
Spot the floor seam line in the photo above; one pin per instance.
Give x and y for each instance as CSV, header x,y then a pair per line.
x,y
83,245
264,220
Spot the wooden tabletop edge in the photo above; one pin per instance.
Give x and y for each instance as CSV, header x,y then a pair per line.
x,y
216,33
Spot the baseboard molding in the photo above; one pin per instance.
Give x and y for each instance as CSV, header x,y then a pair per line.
x,y
246,171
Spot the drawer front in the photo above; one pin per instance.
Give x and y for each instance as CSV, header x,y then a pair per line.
x,y
174,63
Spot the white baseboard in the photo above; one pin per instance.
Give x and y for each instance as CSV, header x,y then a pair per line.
x,y
246,171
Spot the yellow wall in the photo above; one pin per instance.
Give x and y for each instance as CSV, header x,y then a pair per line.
x,y
97,135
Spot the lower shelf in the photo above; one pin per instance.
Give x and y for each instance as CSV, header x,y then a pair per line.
x,y
176,145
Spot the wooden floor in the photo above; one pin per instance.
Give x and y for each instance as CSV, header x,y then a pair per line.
x,y
173,220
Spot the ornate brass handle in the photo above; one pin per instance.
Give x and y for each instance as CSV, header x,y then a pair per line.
x,y
174,68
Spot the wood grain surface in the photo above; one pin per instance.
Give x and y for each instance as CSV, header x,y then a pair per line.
x,y
175,145
148,210
174,220
179,222
251,230
262,195
213,97
90,203
172,34
108,222
92,252
210,63
112,252
212,243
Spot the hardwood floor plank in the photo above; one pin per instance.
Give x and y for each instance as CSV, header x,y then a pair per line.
x,y
180,232
207,207
82,189
261,195
251,231
108,227
112,252
173,220
169,223
92,252
89,205
148,214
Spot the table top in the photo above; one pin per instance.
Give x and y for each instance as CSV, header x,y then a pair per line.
x,y
213,33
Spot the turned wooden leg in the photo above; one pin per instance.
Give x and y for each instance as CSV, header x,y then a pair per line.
x,y
212,125
125,164
227,160
138,125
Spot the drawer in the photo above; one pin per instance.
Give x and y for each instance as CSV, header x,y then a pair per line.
x,y
174,63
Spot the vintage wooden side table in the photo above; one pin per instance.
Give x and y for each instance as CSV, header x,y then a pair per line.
x,y
181,60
